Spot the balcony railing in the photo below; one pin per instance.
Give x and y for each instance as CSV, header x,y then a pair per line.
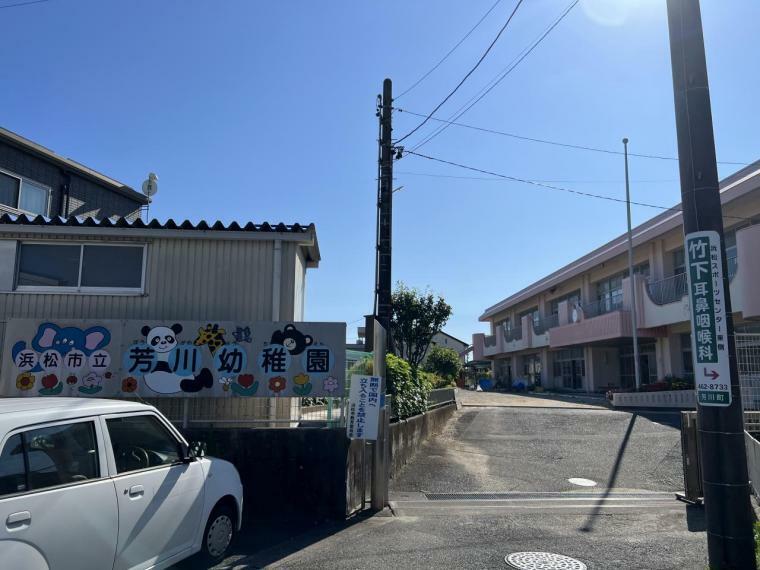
x,y
545,323
490,340
668,290
513,334
601,307
674,288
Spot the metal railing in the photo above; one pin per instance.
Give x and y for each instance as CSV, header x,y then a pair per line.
x,y
675,287
513,334
601,307
545,323
668,290
490,340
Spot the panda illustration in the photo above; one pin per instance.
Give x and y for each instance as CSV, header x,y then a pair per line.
x,y
162,379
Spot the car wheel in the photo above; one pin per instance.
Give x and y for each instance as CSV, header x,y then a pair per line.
x,y
220,530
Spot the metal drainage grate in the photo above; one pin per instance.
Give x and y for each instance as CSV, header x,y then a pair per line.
x,y
470,496
543,561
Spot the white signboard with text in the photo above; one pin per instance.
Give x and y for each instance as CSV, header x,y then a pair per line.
x,y
363,407
709,338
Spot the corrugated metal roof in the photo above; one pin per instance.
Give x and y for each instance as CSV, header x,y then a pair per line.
x,y
170,224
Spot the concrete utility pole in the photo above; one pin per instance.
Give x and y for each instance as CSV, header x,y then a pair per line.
x,y
634,316
730,542
382,325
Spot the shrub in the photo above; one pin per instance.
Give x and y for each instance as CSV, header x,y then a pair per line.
x,y
408,393
444,362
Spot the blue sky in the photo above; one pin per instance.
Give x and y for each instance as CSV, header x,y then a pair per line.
x,y
252,110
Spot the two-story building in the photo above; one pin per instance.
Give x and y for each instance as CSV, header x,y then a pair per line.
x,y
572,329
35,180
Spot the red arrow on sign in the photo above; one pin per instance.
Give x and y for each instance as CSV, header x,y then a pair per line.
x,y
712,374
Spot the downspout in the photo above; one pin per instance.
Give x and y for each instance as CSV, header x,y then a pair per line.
x,y
276,290
63,207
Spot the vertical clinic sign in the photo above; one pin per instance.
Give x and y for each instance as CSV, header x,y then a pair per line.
x,y
709,339
363,407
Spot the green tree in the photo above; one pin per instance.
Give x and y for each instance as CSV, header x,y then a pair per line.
x,y
417,316
444,362
408,391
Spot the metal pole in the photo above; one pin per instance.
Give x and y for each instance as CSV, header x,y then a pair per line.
x,y
634,316
730,543
380,450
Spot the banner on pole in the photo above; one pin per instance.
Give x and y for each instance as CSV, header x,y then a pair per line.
x,y
709,339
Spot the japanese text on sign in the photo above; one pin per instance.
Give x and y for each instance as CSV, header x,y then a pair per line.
x,y
708,319
363,407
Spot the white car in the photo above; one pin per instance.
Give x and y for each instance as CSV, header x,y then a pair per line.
x,y
107,484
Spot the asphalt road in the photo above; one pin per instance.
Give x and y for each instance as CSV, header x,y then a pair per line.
x,y
496,482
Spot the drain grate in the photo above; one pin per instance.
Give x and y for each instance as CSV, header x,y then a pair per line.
x,y
468,496
543,561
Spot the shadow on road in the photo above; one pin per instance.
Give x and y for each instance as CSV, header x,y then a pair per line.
x,y
264,541
589,526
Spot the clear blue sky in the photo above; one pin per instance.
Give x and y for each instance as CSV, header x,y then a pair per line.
x,y
253,110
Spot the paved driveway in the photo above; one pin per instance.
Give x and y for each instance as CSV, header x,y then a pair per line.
x,y
496,482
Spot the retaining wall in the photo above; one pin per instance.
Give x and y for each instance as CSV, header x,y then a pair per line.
x,y
408,435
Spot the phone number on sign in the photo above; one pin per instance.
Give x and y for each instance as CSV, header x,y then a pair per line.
x,y
713,386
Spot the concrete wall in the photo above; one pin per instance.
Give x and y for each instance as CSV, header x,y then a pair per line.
x,y
408,435
605,368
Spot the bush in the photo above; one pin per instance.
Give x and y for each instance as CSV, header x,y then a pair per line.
x,y
434,381
444,362
408,392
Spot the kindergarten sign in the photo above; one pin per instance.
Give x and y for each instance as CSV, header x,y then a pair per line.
x,y
173,358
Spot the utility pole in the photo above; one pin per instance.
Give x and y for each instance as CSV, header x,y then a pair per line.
x,y
720,423
634,316
382,325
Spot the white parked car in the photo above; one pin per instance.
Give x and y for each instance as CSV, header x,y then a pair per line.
x,y
100,484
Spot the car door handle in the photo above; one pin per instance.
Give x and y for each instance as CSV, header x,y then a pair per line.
x,y
18,520
136,491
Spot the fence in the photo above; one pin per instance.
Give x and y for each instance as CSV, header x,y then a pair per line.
x,y
748,361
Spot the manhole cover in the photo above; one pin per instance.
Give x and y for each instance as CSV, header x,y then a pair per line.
x,y
582,482
543,561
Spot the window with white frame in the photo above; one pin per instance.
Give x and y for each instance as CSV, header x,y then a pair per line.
x,y
24,194
81,267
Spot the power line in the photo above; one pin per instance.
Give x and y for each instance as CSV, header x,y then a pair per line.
x,y
445,57
500,77
23,4
550,142
492,179
482,57
553,187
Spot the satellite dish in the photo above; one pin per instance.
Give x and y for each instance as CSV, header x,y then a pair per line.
x,y
150,186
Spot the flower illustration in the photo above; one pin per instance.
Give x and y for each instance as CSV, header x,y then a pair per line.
x,y
71,380
90,381
245,380
129,384
330,384
49,381
277,384
25,381
301,379
225,381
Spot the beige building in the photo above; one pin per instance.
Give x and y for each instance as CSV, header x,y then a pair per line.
x,y
572,329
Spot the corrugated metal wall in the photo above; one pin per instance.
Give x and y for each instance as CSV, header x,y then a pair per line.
x,y
186,279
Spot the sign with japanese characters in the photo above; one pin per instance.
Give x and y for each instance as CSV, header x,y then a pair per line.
x,y
173,358
363,407
709,338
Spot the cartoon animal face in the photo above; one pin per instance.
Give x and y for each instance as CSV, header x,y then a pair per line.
x,y
65,339
292,339
162,339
